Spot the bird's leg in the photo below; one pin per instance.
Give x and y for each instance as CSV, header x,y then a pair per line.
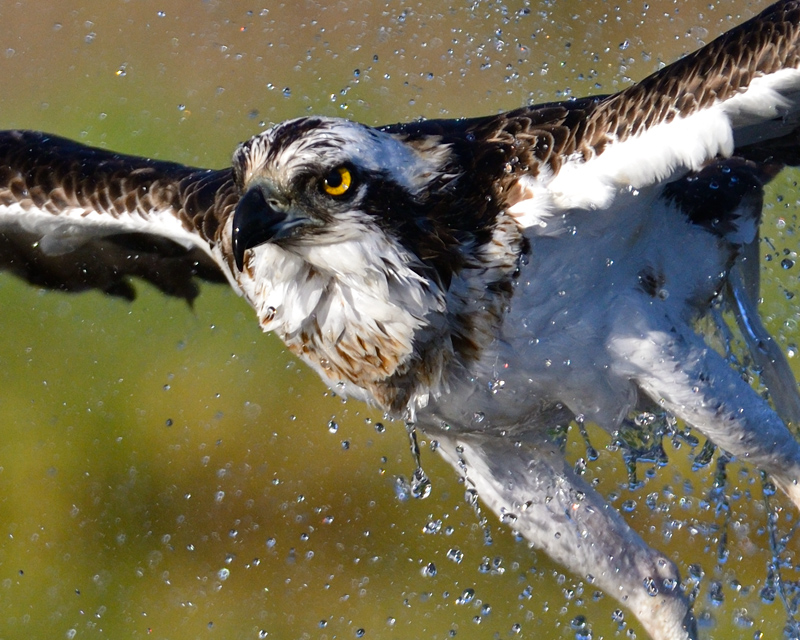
x,y
680,372
532,488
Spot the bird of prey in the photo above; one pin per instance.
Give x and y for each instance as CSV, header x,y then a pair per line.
x,y
487,280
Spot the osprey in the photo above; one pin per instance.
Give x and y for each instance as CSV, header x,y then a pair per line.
x,y
488,280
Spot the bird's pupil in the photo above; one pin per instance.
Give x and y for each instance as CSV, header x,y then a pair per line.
x,y
334,179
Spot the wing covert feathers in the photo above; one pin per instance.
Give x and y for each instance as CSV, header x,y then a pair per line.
x,y
546,136
761,46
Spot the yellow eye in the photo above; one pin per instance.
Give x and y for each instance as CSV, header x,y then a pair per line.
x,y
337,181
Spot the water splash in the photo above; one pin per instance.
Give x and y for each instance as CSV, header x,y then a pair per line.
x,y
777,584
420,483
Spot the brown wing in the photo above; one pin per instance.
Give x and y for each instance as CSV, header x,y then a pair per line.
x,y
761,46
748,60
74,217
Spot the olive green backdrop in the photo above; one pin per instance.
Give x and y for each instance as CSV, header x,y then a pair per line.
x,y
170,472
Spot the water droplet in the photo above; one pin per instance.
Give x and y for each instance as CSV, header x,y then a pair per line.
x,y
434,526
696,572
742,619
420,484
650,587
578,622
508,518
715,594
456,555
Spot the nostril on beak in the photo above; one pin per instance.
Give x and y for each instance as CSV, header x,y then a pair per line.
x,y
256,220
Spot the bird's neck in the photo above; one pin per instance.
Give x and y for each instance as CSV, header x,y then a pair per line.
x,y
363,315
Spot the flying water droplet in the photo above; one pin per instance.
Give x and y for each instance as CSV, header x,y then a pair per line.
x,y
456,555
420,484
466,597
434,526
402,489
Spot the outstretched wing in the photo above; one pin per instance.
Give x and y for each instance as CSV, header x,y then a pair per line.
x,y
737,96
74,217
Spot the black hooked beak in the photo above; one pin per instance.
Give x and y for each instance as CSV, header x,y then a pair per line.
x,y
254,223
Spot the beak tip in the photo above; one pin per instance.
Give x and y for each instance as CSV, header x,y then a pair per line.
x,y
238,252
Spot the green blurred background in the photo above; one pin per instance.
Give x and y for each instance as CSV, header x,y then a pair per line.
x,y
170,472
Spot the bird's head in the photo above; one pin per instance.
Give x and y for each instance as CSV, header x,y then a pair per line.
x,y
324,180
